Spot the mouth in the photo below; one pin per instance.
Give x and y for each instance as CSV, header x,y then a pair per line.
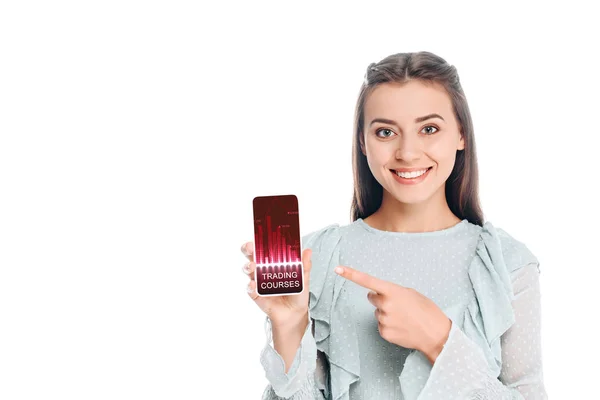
x,y
411,177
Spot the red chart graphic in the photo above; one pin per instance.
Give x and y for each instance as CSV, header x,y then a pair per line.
x,y
277,244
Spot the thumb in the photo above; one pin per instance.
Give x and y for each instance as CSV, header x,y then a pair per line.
x,y
307,264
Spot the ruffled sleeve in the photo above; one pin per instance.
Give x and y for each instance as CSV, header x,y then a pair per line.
x,y
305,378
470,365
337,360
335,330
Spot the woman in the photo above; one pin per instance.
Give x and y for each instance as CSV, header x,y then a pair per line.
x,y
430,301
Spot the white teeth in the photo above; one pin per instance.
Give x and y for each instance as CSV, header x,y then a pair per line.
x,y
412,174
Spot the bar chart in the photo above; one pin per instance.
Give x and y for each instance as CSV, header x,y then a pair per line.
x,y
277,245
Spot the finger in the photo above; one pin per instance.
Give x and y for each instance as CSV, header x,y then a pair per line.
x,y
248,250
249,269
251,289
363,279
307,264
375,299
380,329
260,301
378,314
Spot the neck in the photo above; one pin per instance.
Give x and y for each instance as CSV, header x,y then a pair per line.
x,y
431,215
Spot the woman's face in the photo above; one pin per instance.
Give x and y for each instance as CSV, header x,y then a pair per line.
x,y
404,141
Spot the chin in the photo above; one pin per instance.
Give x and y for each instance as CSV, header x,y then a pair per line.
x,y
412,199
419,196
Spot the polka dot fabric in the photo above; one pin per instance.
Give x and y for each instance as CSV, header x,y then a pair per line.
x,y
486,282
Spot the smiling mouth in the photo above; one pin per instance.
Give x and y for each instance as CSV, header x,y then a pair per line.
x,y
412,174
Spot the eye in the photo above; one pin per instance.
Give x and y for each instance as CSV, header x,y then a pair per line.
x,y
431,126
427,133
381,130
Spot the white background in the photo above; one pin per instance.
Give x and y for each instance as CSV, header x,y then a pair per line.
x,y
134,136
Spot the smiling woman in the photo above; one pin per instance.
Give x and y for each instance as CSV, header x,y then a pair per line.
x,y
412,115
418,297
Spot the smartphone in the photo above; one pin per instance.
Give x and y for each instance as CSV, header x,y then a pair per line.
x,y
277,246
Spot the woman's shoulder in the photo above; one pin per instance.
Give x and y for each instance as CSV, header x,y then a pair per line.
x,y
515,252
325,238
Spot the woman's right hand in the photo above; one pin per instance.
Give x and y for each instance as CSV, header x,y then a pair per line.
x,y
283,310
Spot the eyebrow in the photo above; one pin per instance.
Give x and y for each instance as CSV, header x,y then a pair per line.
x,y
417,120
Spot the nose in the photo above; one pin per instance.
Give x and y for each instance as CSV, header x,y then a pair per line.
x,y
409,148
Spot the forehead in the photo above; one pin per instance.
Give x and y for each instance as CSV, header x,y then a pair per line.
x,y
407,101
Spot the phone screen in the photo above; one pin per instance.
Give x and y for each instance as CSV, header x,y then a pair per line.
x,y
277,245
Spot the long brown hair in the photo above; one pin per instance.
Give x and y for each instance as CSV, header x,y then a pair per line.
x,y
462,186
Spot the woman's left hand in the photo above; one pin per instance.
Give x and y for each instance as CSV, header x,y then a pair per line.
x,y
406,317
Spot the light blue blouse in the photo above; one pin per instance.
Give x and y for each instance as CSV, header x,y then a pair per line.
x,y
486,282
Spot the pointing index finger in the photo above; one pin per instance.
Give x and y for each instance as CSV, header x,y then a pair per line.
x,y
363,279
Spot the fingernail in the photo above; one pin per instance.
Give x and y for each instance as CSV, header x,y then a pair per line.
x,y
339,270
249,289
246,268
